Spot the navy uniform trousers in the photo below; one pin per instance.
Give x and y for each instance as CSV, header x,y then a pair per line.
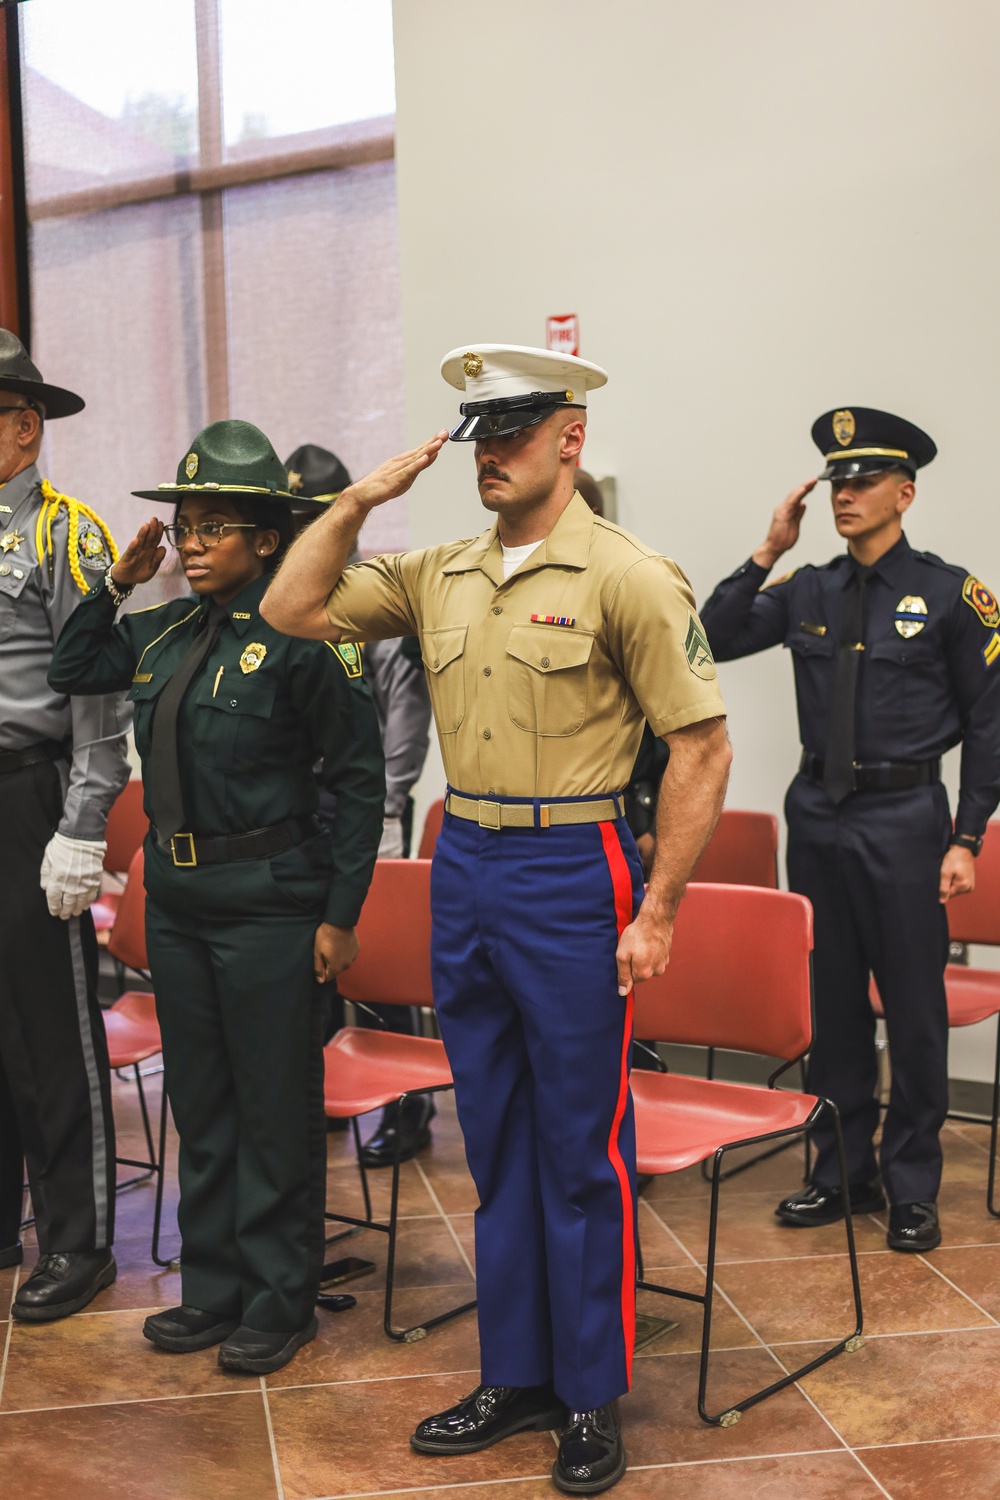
x,y
525,927
870,867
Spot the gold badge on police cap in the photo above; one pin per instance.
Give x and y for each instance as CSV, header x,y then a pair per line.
x,y
843,427
191,465
252,657
472,364
911,616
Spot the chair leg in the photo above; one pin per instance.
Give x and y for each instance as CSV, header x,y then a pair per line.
x,y
743,1166
149,1166
991,1184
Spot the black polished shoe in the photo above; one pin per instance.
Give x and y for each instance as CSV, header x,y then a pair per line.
x,y
489,1414
913,1226
182,1330
251,1352
591,1452
62,1283
11,1255
412,1125
819,1205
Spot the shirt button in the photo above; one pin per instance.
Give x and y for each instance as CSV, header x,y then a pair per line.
x,y
232,703
487,734
491,792
545,661
487,671
437,661
498,609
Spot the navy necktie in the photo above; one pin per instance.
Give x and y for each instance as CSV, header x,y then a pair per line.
x,y
838,769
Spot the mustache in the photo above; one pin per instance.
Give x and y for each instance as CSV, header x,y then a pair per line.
x,y
491,471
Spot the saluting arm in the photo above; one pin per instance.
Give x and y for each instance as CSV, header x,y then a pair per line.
x,y
93,654
741,617
295,603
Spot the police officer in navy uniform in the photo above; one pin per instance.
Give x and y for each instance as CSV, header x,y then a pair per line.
x,y
251,902
896,660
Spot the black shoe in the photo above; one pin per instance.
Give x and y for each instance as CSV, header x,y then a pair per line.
x,y
182,1330
62,1283
12,1255
591,1452
913,1226
413,1130
250,1352
820,1205
489,1414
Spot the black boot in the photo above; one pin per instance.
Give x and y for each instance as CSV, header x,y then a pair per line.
x,y
914,1227
411,1124
62,1283
821,1205
182,1330
489,1414
250,1351
591,1452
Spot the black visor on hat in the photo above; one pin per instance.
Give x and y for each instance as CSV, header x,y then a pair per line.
x,y
856,468
506,415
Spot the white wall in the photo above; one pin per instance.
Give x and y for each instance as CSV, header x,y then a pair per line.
x,y
759,209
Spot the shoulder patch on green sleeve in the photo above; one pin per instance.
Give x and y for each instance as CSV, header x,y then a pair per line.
x,y
773,582
350,657
698,651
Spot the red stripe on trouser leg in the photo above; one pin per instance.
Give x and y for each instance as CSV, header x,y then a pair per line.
x,y
621,883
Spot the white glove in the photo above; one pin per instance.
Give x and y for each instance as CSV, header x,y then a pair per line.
x,y
391,846
71,874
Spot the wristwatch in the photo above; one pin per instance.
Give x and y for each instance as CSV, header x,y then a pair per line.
x,y
969,841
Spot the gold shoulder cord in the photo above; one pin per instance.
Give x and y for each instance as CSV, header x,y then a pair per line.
x,y
51,502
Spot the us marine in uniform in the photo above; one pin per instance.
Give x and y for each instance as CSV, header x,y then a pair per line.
x,y
895,654
62,764
547,641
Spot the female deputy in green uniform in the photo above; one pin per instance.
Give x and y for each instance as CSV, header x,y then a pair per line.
x,y
251,903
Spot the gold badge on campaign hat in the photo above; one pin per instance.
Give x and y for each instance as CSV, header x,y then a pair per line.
x,y
472,364
843,427
911,616
191,465
252,657
294,482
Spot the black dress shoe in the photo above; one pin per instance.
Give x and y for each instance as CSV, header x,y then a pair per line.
x,y
411,1125
182,1330
913,1226
62,1283
489,1414
820,1205
249,1351
11,1255
591,1452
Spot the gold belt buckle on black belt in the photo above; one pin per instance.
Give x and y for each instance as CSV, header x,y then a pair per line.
x,y
489,814
183,864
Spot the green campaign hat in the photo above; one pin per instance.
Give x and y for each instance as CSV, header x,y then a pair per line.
x,y
232,459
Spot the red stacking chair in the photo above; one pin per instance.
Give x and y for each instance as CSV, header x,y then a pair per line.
x,y
127,825
132,1030
974,994
367,1069
739,977
432,827
743,850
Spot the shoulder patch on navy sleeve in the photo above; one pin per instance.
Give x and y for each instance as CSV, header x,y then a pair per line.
x,y
350,657
978,597
773,582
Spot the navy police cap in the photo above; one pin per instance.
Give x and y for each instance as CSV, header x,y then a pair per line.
x,y
858,440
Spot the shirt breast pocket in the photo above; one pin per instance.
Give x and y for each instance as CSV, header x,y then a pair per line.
x,y
809,645
11,589
547,671
443,651
230,730
899,681
143,696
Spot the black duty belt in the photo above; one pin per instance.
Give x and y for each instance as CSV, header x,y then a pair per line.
x,y
881,775
188,850
33,755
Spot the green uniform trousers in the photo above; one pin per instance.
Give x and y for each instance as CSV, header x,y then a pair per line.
x,y
230,952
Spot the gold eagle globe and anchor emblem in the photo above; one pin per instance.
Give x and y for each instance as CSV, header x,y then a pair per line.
x,y
911,616
843,427
253,657
191,465
472,364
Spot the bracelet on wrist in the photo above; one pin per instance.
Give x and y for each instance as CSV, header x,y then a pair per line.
x,y
970,841
118,594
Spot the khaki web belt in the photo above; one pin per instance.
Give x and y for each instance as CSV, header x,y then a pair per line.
x,y
522,814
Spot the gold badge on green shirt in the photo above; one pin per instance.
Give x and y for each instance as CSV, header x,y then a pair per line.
x,y
252,657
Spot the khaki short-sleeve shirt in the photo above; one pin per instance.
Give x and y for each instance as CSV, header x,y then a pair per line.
x,y
540,684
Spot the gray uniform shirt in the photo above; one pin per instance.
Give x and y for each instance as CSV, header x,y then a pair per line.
x,y
37,597
403,705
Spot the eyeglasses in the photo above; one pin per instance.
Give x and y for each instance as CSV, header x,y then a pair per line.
x,y
209,533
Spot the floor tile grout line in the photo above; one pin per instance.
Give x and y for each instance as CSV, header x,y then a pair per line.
x,y
24,1411
903,1333
10,1331
315,1385
279,1487
972,1437
451,1228
955,1288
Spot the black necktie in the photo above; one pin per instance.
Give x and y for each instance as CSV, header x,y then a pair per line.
x,y
164,770
838,770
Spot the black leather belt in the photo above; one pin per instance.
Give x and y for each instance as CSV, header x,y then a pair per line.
x,y
187,850
33,755
879,776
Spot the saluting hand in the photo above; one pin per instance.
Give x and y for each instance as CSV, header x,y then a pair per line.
x,y
395,476
142,557
958,873
784,529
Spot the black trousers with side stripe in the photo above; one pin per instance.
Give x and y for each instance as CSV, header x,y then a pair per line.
x,y
55,1087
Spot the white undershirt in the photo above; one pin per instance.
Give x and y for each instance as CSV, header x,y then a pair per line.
x,y
513,557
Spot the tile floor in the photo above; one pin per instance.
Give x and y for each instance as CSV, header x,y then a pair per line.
x,y
89,1409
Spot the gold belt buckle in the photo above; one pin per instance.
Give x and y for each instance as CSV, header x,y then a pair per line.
x,y
489,815
184,864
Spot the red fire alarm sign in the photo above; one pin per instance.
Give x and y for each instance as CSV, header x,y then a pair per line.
x,y
563,334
